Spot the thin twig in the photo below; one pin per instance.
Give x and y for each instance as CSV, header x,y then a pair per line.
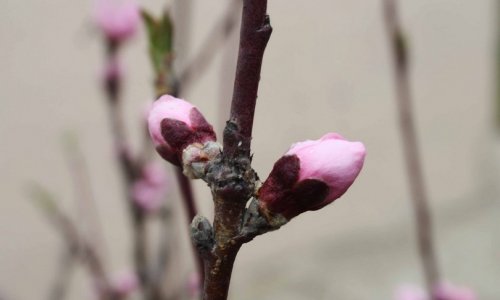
x,y
255,33
130,169
62,279
219,34
419,196
231,177
86,204
75,242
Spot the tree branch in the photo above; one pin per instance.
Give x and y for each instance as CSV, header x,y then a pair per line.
x,y
230,176
419,196
254,35
219,34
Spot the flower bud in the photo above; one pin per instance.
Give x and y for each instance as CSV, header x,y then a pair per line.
x,y
149,191
174,124
441,291
117,21
125,283
311,175
409,292
447,291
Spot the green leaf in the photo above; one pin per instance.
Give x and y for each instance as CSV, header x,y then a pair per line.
x,y
160,39
42,198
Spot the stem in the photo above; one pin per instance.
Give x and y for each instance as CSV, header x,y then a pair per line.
x,y
62,278
230,176
130,170
419,196
190,207
219,34
254,35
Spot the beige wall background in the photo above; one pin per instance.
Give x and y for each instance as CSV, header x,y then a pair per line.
x,y
327,68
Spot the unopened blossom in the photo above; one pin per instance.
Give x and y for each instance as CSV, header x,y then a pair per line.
x,y
117,19
409,292
448,291
442,291
193,285
311,175
125,283
150,189
175,124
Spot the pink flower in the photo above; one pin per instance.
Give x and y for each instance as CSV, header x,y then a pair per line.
x,y
175,124
118,20
149,191
408,292
447,291
443,291
194,285
125,283
311,175
113,71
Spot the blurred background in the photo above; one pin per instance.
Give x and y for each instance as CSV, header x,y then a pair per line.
x,y
327,68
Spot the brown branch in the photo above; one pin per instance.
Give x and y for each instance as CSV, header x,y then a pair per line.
x,y
231,177
254,35
219,34
411,147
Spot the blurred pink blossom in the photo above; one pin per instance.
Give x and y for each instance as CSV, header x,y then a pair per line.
x,y
409,292
125,283
149,191
113,70
447,291
443,291
117,19
194,285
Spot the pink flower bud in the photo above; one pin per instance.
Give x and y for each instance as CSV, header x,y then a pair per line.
x,y
149,191
193,285
175,124
311,175
113,71
447,291
408,292
118,21
125,283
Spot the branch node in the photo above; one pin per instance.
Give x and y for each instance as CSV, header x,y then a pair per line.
x,y
202,235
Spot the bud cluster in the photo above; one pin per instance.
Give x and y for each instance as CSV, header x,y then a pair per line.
x,y
309,176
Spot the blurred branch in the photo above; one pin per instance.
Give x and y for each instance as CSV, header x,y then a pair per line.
x,y
62,278
217,36
497,71
86,204
420,201
130,168
75,242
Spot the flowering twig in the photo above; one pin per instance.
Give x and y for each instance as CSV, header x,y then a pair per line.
x,y
419,196
232,179
305,178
